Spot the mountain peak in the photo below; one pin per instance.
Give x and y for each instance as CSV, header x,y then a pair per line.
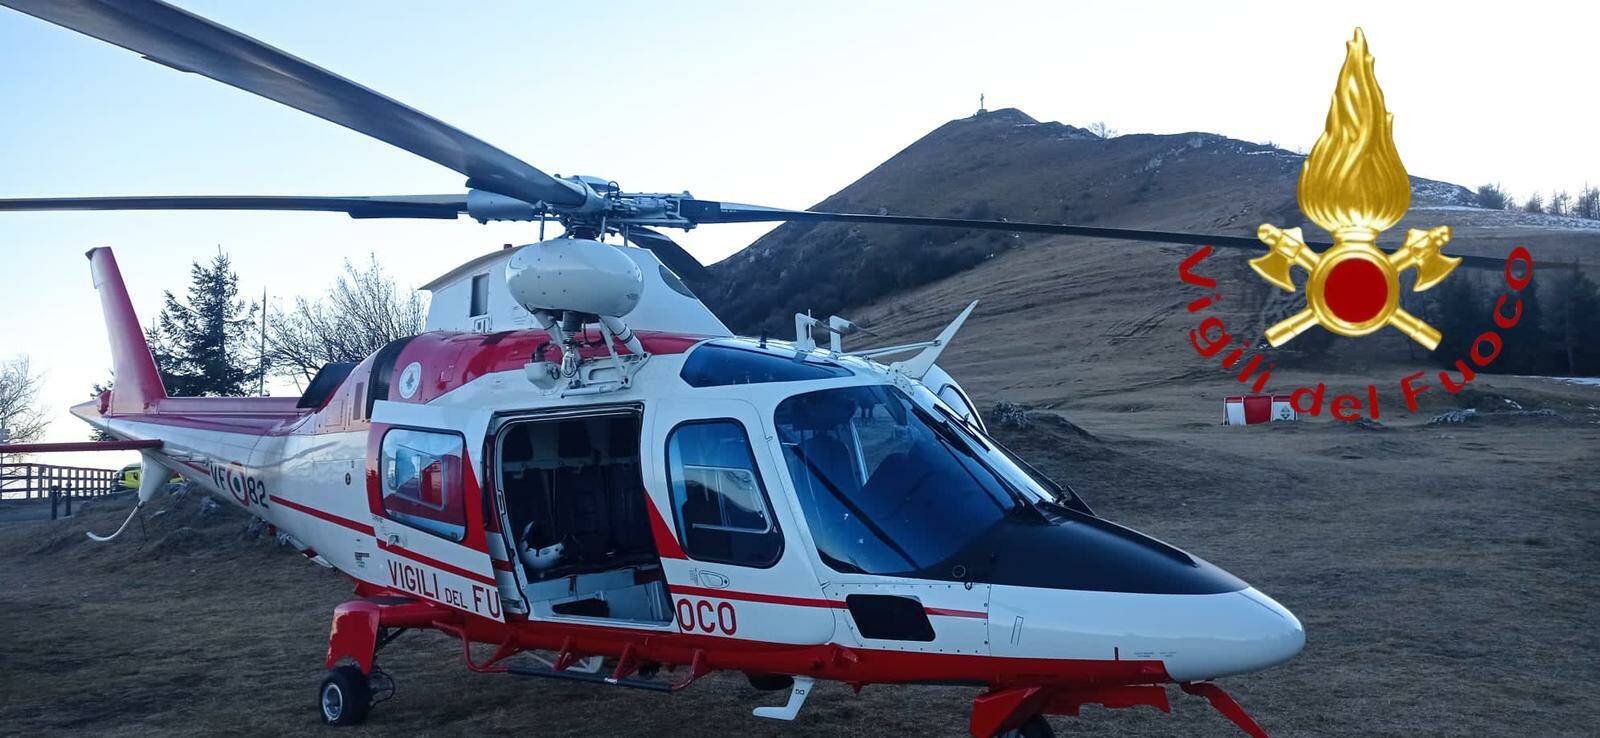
x,y
1006,120
1011,115
1004,164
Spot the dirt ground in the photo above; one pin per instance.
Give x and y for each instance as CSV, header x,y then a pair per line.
x,y
1445,575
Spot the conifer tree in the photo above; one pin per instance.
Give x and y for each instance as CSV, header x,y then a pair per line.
x,y
1524,348
1459,316
201,344
1573,324
1492,196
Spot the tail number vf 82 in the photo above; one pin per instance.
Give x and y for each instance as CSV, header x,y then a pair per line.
x,y
246,489
705,617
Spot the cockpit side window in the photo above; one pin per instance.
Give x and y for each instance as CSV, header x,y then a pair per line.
x,y
422,481
715,365
717,495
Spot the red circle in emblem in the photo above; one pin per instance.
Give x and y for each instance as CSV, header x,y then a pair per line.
x,y
1356,290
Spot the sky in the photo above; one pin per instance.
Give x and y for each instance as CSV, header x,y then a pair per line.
x,y
776,103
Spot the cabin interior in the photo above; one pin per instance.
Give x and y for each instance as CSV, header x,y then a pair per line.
x,y
575,498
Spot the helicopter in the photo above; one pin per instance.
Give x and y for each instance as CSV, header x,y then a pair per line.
x,y
579,465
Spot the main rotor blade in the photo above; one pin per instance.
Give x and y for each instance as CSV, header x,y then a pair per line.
x,y
393,206
710,211
189,43
668,251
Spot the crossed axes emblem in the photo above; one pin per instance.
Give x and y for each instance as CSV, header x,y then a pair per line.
x,y
1354,286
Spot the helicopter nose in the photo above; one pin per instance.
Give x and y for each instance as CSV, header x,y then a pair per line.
x,y
1255,634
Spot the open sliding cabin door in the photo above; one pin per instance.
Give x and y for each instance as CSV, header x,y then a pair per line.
x,y
571,484
427,504
726,527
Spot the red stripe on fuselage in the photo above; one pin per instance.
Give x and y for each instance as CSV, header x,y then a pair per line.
x,y
453,359
826,660
806,601
430,561
666,545
321,515
726,594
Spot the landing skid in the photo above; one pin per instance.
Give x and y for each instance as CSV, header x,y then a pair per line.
x,y
998,712
364,626
573,675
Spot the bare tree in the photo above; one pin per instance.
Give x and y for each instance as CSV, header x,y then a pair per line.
x,y
1535,203
1588,203
1099,128
361,312
21,414
1560,203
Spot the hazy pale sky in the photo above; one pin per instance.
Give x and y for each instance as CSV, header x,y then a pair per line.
x,y
771,103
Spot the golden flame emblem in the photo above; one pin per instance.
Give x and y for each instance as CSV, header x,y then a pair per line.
x,y
1354,186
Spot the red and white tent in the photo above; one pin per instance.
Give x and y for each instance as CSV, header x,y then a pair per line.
x,y
1251,409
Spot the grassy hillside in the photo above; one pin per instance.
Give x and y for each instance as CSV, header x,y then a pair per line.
x,y
1004,164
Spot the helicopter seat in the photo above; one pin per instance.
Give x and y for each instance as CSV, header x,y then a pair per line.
x,y
631,538
581,508
823,467
528,467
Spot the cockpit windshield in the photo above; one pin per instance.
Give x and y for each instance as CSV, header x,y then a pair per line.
x,y
889,487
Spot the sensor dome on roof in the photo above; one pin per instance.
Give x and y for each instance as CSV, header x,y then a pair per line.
x,y
574,274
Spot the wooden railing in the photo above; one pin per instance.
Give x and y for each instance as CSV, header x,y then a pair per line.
x,y
21,481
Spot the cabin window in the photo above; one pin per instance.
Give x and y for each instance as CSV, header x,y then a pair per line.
x,y
480,296
717,495
422,481
714,365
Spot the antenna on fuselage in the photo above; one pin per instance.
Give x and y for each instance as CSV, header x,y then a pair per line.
x,y
917,366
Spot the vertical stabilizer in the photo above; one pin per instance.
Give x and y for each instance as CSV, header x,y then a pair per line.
x,y
137,385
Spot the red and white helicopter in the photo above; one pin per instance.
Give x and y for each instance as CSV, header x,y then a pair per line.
x,y
579,459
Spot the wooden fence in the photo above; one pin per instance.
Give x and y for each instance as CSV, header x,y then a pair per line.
x,y
20,481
